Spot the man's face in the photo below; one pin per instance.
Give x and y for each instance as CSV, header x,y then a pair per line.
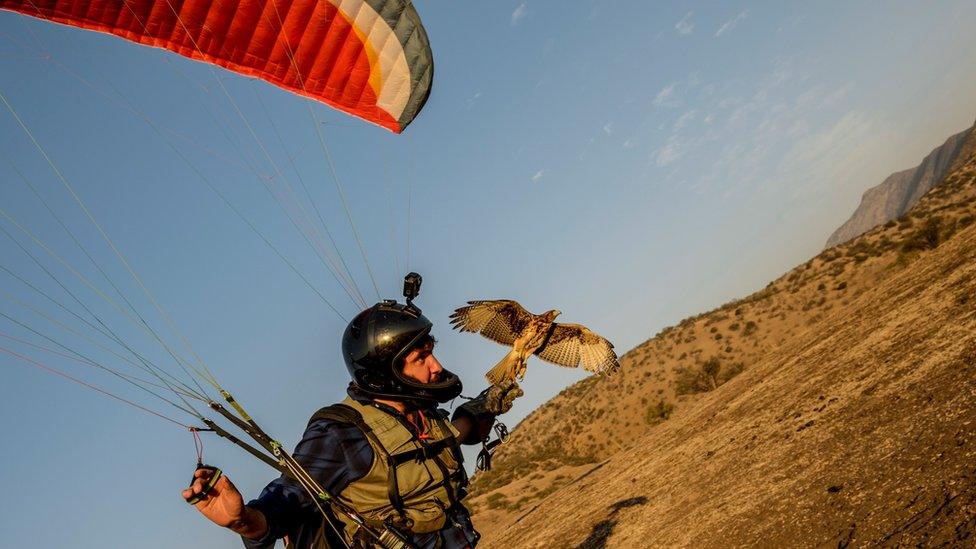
x,y
421,365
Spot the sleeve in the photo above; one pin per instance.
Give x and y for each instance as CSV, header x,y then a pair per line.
x,y
473,422
335,454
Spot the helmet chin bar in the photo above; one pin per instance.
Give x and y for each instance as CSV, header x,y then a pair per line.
x,y
448,388
411,391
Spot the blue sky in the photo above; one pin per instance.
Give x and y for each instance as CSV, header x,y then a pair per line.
x,y
629,165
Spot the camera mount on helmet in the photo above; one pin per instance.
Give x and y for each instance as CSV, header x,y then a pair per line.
x,y
411,288
378,339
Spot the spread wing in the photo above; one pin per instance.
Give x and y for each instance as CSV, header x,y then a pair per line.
x,y
574,345
500,320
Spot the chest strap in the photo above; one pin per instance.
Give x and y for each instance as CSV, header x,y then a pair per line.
x,y
342,413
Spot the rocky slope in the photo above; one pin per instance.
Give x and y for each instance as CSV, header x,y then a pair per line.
x,y
853,420
901,190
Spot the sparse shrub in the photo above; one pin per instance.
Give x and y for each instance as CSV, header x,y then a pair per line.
x,y
968,356
821,287
658,412
497,501
750,328
705,377
842,285
948,229
905,258
731,371
862,247
711,368
890,224
926,237
690,380
734,326
905,222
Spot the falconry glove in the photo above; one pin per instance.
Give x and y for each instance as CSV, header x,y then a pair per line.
x,y
495,400
482,409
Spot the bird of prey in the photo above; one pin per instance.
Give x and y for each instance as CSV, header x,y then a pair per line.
x,y
508,323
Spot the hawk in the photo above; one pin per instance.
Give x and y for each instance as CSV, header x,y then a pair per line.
x,y
508,323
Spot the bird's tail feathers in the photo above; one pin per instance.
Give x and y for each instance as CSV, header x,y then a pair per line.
x,y
504,369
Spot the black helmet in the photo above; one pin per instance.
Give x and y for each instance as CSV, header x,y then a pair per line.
x,y
374,345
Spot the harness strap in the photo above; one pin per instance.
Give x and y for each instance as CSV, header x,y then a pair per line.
x,y
393,488
426,451
452,443
343,413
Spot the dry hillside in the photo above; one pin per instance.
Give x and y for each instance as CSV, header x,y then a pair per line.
x,y
835,406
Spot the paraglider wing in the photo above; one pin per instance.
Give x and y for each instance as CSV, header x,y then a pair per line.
x,y
368,58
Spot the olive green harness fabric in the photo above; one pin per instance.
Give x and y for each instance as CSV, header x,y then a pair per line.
x,y
412,482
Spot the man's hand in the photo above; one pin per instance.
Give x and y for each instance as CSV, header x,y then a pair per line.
x,y
499,398
474,418
224,505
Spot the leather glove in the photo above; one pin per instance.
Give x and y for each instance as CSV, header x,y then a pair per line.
x,y
499,398
495,400
491,402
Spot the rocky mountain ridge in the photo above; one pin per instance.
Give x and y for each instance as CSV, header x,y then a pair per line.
x,y
901,190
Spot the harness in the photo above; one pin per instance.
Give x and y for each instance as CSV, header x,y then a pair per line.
x,y
413,480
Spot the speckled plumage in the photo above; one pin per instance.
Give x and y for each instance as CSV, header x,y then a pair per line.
x,y
507,322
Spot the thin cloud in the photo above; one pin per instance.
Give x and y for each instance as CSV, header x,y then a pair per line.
x,y
685,27
670,152
538,175
836,141
608,128
666,97
473,99
518,14
685,118
731,23
837,95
